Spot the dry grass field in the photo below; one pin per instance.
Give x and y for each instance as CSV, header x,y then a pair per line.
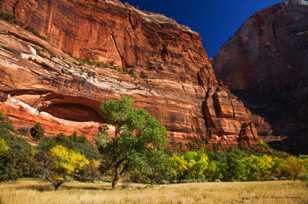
x,y
37,192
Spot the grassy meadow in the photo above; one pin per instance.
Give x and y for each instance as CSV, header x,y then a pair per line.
x,y
39,192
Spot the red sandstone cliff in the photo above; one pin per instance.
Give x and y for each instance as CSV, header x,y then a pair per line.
x,y
170,74
265,64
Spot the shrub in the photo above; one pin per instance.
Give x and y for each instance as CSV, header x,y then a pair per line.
x,y
46,144
133,74
87,61
8,18
92,62
36,33
143,75
263,144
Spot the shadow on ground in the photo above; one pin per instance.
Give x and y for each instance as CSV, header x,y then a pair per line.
x,y
93,186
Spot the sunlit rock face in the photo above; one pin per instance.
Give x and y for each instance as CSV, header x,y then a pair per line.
x,y
149,57
265,64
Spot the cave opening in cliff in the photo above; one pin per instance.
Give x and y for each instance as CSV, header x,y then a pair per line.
x,y
74,112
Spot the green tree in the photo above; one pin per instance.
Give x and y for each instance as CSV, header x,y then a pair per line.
x,y
218,166
157,169
138,137
215,170
37,131
61,164
16,155
236,167
18,160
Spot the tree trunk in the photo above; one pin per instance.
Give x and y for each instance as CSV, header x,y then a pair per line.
x,y
115,178
116,172
57,185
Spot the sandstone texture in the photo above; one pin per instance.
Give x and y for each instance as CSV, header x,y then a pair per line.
x,y
86,52
265,64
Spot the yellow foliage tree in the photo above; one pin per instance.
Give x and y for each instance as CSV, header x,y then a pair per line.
x,y
259,167
293,167
63,164
191,165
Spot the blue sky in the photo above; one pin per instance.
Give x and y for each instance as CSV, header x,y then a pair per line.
x,y
215,20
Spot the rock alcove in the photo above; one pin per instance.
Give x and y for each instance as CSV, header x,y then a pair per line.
x,y
73,112
57,114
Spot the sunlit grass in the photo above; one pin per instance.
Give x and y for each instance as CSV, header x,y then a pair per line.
x,y
38,192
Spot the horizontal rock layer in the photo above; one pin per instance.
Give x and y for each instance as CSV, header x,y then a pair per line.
x,y
147,56
265,64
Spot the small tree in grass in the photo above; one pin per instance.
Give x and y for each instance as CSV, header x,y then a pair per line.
x,y
61,164
137,139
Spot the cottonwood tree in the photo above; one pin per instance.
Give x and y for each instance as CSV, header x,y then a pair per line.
x,y
61,164
138,138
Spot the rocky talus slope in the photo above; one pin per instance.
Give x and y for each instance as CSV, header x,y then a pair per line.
x,y
265,64
86,52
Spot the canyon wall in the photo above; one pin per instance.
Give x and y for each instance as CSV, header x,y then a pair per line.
x,y
81,53
265,64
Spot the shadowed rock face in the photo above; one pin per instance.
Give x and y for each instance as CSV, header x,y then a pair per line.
x,y
265,64
170,74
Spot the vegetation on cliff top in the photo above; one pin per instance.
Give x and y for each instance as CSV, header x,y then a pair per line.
x,y
12,20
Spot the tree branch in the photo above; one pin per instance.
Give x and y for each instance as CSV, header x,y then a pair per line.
x,y
124,168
